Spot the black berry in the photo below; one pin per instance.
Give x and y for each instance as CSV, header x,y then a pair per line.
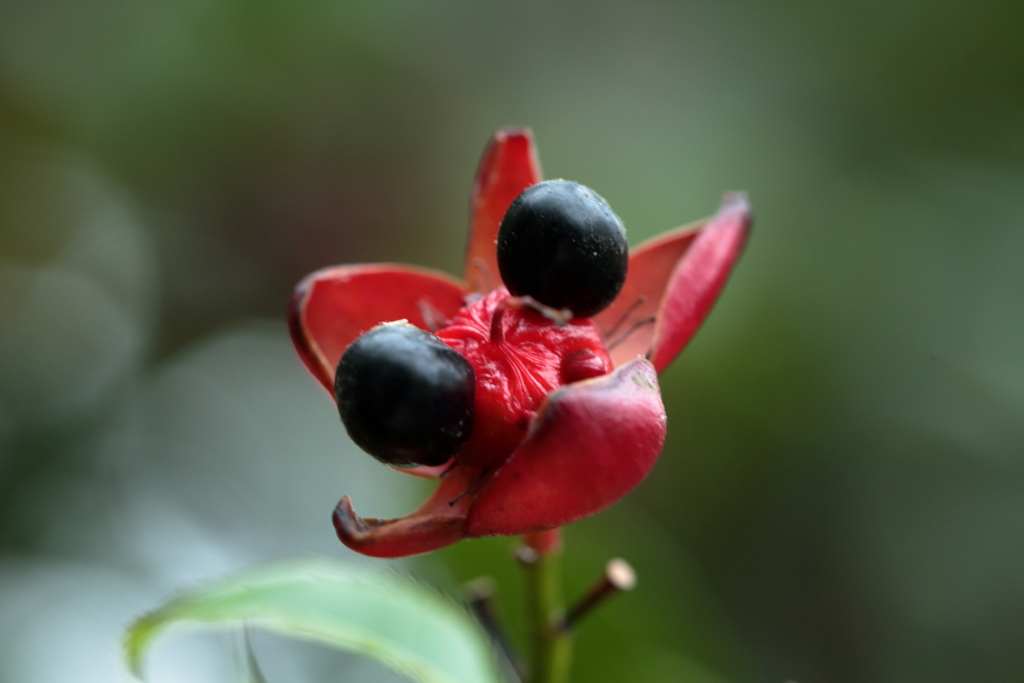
x,y
404,396
561,244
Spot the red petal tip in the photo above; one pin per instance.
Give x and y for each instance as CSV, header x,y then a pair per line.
x,y
736,200
514,131
509,165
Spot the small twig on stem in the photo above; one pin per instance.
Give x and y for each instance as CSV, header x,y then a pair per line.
x,y
480,597
618,576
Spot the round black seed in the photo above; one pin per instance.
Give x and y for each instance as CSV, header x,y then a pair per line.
x,y
404,396
561,244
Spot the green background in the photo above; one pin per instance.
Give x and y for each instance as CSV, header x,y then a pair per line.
x,y
841,497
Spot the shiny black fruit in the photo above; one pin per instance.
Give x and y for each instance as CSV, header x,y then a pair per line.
x,y
404,396
561,244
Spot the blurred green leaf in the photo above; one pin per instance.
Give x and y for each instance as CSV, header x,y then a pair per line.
x,y
402,624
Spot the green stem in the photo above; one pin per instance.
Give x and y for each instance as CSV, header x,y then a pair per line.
x,y
551,643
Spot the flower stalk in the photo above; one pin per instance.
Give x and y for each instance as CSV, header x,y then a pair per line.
x,y
550,641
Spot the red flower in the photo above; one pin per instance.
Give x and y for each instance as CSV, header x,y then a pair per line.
x,y
561,438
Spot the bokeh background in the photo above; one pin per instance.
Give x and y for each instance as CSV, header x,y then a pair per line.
x,y
841,498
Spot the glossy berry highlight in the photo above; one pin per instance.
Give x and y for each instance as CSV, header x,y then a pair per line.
x,y
561,244
404,396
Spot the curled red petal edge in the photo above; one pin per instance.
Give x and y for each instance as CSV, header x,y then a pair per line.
x,y
699,277
590,444
401,537
508,166
435,524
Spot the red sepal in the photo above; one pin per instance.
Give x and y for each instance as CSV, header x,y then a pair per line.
x,y
509,166
672,282
333,306
434,525
699,278
589,445
628,324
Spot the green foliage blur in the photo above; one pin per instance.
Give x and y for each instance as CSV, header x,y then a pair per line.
x,y
841,498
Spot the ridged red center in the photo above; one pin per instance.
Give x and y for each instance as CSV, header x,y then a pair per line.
x,y
530,357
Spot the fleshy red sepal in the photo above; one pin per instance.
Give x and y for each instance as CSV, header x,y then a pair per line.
x,y
509,166
333,306
439,522
589,445
698,279
395,537
628,324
